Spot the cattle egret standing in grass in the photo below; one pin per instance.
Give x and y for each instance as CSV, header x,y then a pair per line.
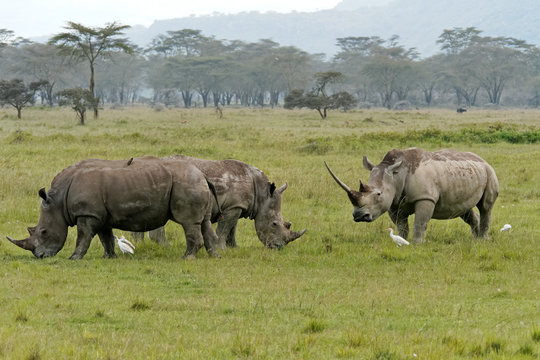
x,y
398,240
124,245
506,227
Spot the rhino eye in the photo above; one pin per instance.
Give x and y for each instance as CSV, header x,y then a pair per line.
x,y
275,223
378,193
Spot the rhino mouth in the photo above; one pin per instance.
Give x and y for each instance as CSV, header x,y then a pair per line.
x,y
362,218
43,254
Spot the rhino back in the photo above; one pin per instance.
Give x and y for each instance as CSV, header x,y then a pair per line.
x,y
122,195
237,183
454,181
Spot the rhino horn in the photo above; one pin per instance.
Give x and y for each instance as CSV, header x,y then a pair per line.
x,y
281,189
341,183
24,244
295,235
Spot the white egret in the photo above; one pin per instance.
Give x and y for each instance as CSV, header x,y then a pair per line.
x,y
398,240
124,244
506,227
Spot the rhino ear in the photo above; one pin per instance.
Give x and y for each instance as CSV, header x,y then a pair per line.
x,y
390,170
42,194
367,164
272,189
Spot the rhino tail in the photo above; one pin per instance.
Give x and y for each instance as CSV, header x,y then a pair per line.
x,y
214,192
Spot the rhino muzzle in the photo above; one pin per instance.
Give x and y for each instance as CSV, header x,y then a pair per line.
x,y
360,216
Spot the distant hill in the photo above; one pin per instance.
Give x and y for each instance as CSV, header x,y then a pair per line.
x,y
418,23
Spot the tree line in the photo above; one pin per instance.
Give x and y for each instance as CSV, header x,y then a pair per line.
x,y
86,67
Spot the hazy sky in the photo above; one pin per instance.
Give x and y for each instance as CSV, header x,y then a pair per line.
x,y
28,18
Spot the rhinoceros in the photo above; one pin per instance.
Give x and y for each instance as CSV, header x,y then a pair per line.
x,y
442,184
138,195
243,191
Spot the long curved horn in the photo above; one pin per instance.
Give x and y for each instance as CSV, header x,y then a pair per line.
x,y
24,244
341,183
295,235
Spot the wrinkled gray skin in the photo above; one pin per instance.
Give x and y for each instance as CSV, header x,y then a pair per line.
x,y
243,191
443,184
137,195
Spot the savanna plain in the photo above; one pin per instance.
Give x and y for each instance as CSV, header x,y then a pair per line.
x,y
343,290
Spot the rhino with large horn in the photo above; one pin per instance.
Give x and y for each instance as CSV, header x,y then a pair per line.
x,y
99,195
443,184
243,191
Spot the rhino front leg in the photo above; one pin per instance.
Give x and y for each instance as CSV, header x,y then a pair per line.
x,y
401,220
86,229
226,229
423,210
107,240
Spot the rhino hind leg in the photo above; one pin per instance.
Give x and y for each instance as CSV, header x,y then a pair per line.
x,y
210,238
158,235
138,236
107,240
472,218
485,208
194,240
486,204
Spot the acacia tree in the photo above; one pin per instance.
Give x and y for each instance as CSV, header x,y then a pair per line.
x,y
17,94
390,70
475,62
318,99
80,43
79,99
40,62
8,38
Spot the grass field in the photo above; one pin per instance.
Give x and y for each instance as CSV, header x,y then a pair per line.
x,y
343,290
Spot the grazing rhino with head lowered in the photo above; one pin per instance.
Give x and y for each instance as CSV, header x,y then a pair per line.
x,y
138,195
243,191
442,184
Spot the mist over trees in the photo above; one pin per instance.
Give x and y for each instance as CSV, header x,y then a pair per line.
x,y
185,68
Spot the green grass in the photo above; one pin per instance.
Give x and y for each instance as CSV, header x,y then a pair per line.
x,y
341,291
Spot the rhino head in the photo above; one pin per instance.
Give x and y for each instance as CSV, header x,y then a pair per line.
x,y
49,236
271,229
374,198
